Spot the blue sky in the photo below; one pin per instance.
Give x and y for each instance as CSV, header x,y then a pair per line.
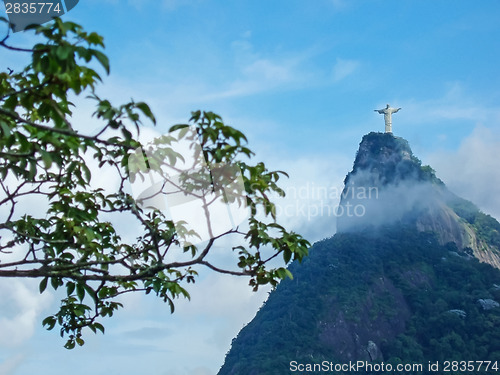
x,y
301,79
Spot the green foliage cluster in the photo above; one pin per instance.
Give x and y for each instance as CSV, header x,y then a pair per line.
x,y
73,245
341,276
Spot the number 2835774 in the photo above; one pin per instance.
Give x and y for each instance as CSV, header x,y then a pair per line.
x,y
33,8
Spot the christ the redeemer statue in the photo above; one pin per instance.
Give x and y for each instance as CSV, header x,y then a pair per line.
x,y
388,111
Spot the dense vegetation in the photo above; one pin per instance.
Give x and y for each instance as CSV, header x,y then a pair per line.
x,y
384,292
425,294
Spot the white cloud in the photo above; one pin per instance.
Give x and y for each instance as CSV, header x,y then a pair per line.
x,y
313,193
218,295
20,310
195,338
344,68
10,365
472,170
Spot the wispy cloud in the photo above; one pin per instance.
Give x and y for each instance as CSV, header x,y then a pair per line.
x,y
257,72
266,69
10,365
259,76
455,104
472,171
344,68
20,311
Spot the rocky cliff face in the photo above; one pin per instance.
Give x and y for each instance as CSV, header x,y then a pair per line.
x,y
389,185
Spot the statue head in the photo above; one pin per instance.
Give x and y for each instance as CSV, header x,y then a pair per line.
x,y
387,106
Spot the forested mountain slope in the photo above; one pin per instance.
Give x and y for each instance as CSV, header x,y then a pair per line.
x,y
412,280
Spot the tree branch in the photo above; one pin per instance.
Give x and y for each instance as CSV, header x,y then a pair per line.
x,y
3,44
68,132
220,270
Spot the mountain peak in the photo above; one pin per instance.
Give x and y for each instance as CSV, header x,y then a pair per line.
x,y
390,160
388,185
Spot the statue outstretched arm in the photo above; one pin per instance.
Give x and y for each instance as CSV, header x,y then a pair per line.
x,y
379,110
